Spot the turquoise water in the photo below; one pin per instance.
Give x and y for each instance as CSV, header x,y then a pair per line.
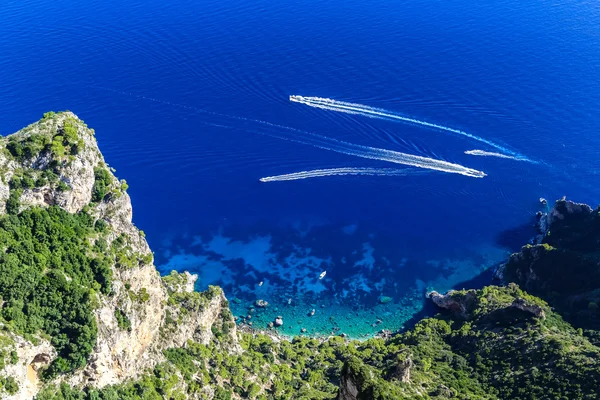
x,y
368,285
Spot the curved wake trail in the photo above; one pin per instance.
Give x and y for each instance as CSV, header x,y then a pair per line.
x,y
327,143
373,112
318,173
484,153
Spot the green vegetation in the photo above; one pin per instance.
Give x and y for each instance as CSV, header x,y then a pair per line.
x,y
499,352
9,385
125,257
188,301
26,148
102,184
14,357
13,203
63,142
48,275
563,269
122,321
192,303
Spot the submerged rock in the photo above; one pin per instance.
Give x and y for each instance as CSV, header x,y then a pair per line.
x,y
261,303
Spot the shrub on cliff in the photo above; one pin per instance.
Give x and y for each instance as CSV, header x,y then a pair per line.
x,y
123,321
102,183
25,148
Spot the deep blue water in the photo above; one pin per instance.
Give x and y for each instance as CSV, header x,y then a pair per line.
x,y
175,93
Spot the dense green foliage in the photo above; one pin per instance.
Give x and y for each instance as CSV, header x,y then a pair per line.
x,y
48,277
24,149
520,356
63,141
13,203
499,352
54,265
9,385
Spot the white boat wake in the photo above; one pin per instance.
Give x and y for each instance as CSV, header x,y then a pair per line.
x,y
318,173
374,153
484,153
380,113
327,143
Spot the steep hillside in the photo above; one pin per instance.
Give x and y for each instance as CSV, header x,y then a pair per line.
x,y
497,343
81,300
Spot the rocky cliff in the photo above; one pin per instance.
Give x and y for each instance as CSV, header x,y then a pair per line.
x,y
56,163
563,265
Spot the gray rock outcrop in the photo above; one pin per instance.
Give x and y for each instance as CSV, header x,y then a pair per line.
x,y
534,309
451,301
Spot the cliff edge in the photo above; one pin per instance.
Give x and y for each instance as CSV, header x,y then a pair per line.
x,y
54,167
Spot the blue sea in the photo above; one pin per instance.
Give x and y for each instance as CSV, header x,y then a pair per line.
x,y
191,104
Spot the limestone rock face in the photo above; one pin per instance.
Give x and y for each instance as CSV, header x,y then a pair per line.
x,y
472,304
196,315
562,258
356,381
138,291
119,353
564,209
562,265
77,172
522,305
348,388
118,213
526,276
569,225
451,301
25,372
402,370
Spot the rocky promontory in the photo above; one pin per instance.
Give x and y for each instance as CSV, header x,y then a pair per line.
x,y
56,163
